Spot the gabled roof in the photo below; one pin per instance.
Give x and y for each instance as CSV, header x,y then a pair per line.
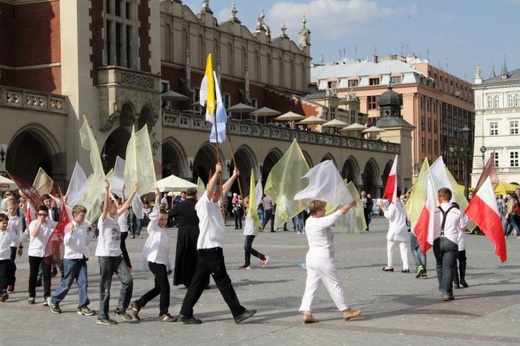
x,y
364,68
513,77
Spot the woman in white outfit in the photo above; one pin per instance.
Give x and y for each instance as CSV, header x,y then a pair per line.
x,y
397,234
320,260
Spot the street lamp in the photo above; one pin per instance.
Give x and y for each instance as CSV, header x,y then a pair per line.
x,y
483,151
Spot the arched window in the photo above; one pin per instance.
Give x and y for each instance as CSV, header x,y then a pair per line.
x,y
510,100
496,102
489,102
517,100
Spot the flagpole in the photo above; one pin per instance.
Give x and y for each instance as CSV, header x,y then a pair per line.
x,y
234,160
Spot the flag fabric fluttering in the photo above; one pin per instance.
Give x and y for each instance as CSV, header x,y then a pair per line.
x,y
418,195
218,130
354,220
77,185
44,183
94,188
34,199
117,183
423,228
483,210
255,196
201,188
284,181
391,183
139,167
488,171
207,90
325,184
54,249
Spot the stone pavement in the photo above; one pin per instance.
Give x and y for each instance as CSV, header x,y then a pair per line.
x,y
398,309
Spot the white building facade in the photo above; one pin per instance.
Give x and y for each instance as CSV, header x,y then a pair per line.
x,y
497,124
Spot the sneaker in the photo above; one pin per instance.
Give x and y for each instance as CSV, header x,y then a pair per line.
x,y
130,269
135,310
349,313
420,272
122,313
448,298
31,300
46,301
106,321
424,275
244,316
167,318
55,309
189,320
86,311
245,266
4,297
264,261
10,288
302,265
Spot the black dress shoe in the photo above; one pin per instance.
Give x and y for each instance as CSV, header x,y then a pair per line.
x,y
385,269
189,320
464,283
244,316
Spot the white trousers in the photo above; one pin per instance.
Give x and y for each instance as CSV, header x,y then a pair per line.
x,y
403,247
318,270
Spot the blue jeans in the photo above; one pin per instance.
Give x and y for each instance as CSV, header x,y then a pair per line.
x,y
512,221
74,269
446,253
298,222
418,257
108,266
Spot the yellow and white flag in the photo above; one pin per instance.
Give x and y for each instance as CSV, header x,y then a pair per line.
x,y
139,167
207,90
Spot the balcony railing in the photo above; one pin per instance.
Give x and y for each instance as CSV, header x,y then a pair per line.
x,y
252,129
33,100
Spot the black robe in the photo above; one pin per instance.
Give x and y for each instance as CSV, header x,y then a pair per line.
x,y
186,255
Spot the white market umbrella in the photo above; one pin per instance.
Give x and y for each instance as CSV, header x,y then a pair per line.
x,y
312,120
265,112
241,108
289,116
171,95
354,127
373,131
334,123
174,183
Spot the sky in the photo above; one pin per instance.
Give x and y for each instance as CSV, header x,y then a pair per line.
x,y
453,35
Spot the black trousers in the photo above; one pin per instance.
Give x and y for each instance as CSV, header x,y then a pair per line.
x,y
248,247
212,261
162,287
34,266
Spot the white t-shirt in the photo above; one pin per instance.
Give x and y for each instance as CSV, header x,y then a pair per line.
x,y
15,223
109,242
157,246
455,221
76,245
211,224
122,220
320,235
398,229
37,244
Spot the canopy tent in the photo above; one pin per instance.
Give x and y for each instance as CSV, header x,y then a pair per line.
x,y
7,184
174,183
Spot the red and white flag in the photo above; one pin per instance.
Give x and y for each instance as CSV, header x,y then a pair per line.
x,y
391,183
423,228
483,210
